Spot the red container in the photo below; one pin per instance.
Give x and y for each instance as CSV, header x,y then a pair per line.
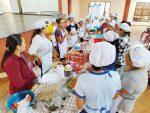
x,y
98,40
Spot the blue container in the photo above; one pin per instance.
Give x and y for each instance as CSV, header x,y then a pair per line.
x,y
99,36
18,97
98,28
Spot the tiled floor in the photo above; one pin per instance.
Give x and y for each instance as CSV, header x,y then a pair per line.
x,y
15,23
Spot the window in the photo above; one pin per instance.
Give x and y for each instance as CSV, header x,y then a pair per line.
x,y
142,12
98,8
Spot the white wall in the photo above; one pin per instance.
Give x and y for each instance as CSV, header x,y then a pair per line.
x,y
14,6
48,5
39,5
5,6
132,8
65,7
29,6
76,8
116,5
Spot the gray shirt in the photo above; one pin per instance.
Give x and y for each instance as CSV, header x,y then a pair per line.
x,y
134,82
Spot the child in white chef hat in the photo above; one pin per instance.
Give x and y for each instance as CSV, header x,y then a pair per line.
x,y
110,34
95,90
134,79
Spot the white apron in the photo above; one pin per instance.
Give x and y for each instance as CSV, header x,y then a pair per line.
x,y
81,32
43,48
63,47
47,58
72,39
122,105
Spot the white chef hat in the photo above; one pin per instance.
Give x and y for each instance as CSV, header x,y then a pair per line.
x,y
125,27
81,20
114,14
139,55
88,17
112,24
107,18
53,20
111,36
72,15
102,54
41,23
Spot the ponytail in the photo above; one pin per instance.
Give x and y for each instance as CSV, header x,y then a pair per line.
x,y
35,32
11,43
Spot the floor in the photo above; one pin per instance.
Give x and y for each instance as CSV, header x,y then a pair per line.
x,y
16,23
142,105
24,23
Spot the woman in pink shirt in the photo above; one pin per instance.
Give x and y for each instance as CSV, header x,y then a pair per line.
x,y
20,74
105,25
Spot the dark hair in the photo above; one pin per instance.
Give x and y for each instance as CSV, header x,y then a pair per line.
x,y
96,68
35,32
129,23
127,33
58,20
11,43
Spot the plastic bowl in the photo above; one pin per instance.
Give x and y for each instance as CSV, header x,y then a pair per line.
x,y
18,97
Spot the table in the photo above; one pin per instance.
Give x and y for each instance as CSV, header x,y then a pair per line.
x,y
53,98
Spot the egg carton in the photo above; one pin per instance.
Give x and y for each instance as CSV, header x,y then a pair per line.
x,y
48,91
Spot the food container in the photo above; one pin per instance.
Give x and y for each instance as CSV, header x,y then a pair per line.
x,y
68,70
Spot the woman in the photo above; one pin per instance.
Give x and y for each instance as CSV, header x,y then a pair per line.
x,y
122,44
102,18
105,25
95,90
88,24
134,79
114,20
50,29
110,36
81,29
73,31
41,46
61,37
20,75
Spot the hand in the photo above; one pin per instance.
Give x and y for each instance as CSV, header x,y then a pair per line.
x,y
65,35
37,71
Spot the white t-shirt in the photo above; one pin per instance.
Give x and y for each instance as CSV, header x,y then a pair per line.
x,y
88,26
98,90
134,82
81,32
43,48
96,23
